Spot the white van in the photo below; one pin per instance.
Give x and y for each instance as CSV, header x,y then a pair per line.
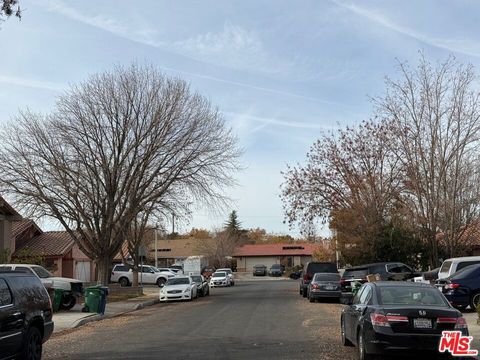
x,y
451,266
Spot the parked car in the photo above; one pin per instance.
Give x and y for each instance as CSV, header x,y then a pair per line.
x,y
202,285
388,271
324,285
208,271
230,275
123,275
451,266
220,278
259,270
310,269
72,288
24,324
462,289
178,288
275,270
396,317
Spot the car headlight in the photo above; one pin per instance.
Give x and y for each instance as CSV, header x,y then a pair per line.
x,y
187,289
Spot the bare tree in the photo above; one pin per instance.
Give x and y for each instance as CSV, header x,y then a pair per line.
x,y
113,146
7,9
437,118
219,248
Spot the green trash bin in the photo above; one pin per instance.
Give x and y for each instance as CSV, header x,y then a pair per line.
x,y
57,295
93,299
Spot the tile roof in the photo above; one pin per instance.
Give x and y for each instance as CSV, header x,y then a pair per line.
x,y
19,226
301,249
50,243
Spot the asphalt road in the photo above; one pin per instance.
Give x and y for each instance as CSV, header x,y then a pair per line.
x,y
252,320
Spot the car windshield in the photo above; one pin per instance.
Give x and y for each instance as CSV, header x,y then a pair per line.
x,y
259,266
177,281
276,266
155,269
41,272
220,274
326,277
355,274
197,279
410,295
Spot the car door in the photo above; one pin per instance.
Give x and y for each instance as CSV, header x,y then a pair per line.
x,y
11,322
349,313
359,309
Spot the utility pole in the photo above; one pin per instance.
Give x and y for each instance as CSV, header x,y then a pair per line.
x,y
156,255
173,224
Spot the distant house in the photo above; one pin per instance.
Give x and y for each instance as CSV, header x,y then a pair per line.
x,y
268,254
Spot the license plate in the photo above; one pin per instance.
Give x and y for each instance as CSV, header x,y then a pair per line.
x,y
422,323
329,287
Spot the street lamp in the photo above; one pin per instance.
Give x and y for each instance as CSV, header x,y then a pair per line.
x,y
156,255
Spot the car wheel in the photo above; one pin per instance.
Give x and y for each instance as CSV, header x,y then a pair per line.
x,y
311,299
301,292
362,352
124,281
304,293
475,300
32,347
345,341
68,302
161,281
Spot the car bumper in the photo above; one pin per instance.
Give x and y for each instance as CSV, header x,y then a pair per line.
x,y
391,343
455,299
325,294
219,284
47,330
174,297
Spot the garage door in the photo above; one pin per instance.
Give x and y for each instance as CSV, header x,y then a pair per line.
x,y
82,271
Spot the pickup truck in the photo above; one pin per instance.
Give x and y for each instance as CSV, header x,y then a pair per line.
x,y
147,274
72,288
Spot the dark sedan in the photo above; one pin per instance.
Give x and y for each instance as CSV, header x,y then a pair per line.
x,y
392,318
324,285
275,270
462,289
259,270
202,285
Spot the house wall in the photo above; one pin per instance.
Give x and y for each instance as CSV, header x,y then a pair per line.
x,y
6,234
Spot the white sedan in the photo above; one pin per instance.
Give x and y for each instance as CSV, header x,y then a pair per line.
x,y
220,278
178,288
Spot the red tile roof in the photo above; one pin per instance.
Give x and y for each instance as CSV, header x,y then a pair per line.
x,y
275,250
19,226
50,243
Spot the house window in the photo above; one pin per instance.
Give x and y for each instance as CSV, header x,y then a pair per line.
x,y
164,250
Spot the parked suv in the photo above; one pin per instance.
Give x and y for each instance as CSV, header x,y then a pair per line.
x,y
310,269
25,315
72,288
259,270
147,274
386,270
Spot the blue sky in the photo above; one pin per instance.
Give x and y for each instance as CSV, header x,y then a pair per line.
x,y
282,72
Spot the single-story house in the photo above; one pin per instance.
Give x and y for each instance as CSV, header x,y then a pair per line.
x,y
268,254
61,255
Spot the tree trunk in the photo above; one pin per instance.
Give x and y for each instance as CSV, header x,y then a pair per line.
x,y
103,267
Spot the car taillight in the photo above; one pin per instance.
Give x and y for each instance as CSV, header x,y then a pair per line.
x,y
452,286
461,323
307,277
315,286
343,281
446,320
379,320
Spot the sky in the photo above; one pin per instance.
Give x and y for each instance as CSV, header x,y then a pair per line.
x,y
281,72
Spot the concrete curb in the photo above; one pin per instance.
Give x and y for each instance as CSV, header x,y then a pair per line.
x,y
98,317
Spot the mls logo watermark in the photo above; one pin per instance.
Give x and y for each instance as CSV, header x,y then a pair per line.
x,y
456,343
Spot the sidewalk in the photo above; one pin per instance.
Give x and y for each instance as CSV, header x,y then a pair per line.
x,y
73,318
473,328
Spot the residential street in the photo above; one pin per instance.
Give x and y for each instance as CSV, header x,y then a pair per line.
x,y
252,320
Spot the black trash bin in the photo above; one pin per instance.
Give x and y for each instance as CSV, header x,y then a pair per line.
x,y
103,300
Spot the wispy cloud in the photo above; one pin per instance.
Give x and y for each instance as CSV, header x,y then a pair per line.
x,y
466,47
280,122
32,83
143,35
